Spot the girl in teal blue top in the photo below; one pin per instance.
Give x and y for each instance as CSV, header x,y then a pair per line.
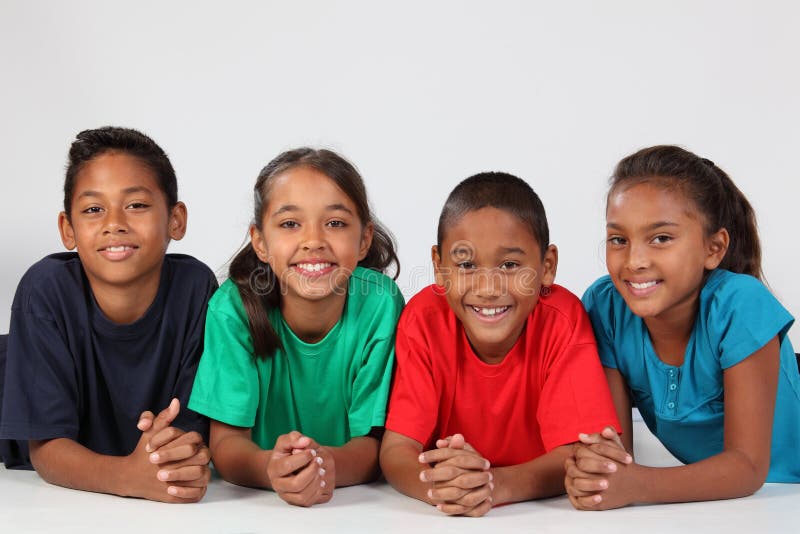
x,y
689,335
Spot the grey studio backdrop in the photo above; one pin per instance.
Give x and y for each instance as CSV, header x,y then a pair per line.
x,y
418,95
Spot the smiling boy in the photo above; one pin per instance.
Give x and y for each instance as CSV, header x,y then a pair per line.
x,y
497,367
102,338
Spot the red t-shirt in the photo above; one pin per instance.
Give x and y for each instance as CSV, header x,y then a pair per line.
x,y
547,389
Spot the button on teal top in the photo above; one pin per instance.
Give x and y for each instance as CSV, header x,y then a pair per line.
x,y
683,406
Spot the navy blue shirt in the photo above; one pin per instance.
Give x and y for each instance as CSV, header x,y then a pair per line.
x,y
73,373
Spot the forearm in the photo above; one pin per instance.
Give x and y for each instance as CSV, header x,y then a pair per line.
x,y
240,461
65,462
727,475
401,467
539,478
356,461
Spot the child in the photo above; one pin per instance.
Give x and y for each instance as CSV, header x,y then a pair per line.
x,y
100,336
496,366
691,337
299,342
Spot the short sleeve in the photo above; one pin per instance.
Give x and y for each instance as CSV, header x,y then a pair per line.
x,y
374,378
413,405
188,419
598,301
742,317
40,398
575,396
226,387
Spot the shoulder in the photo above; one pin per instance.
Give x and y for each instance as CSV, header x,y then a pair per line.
x,y
563,303
371,288
561,314
189,270
428,308
601,293
54,278
726,294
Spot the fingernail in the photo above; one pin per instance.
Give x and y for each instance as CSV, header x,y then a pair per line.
x,y
162,475
421,458
491,486
439,507
319,460
313,452
490,499
148,448
321,472
611,467
154,457
422,476
582,435
486,464
172,490
491,476
322,484
430,494
628,459
603,484
597,498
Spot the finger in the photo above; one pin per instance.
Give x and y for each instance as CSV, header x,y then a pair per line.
x,y
457,441
446,494
469,480
145,421
471,462
286,469
163,437
479,510
199,475
444,454
595,466
611,451
174,454
589,503
286,443
187,493
166,416
587,486
589,439
476,496
442,443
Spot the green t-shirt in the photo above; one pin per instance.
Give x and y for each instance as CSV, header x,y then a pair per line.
x,y
331,391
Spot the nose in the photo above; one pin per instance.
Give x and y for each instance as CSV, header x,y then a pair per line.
x,y
115,222
488,283
638,257
312,238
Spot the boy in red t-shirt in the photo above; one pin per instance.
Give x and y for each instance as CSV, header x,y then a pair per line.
x,y
497,368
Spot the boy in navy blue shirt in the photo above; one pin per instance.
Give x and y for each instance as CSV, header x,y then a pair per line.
x,y
101,338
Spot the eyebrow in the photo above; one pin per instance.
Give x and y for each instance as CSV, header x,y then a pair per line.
x,y
126,191
512,250
654,226
287,208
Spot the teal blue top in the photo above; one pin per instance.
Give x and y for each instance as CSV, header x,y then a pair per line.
x,y
683,405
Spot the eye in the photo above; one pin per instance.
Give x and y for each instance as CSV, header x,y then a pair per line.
x,y
337,224
466,265
508,265
289,224
92,210
138,205
616,241
662,239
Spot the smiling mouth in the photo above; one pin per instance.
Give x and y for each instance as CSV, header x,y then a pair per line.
x,y
643,288
118,252
490,313
314,269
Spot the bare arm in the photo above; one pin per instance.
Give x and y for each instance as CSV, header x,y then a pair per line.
x,y
622,404
356,461
739,470
237,458
399,459
539,478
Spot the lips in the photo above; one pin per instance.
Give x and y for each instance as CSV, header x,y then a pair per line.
x,y
643,288
489,313
313,268
118,252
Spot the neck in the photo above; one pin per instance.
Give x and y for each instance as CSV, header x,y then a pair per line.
x,y
311,320
670,332
125,304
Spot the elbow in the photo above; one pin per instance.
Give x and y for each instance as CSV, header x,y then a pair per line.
x,y
754,471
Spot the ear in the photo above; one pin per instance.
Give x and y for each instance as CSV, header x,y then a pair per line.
x,y
177,221
716,248
258,243
549,265
366,240
67,231
436,258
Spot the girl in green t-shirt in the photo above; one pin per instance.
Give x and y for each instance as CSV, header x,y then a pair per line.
x,y
299,342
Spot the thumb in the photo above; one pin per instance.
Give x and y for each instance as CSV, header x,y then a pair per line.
x,y
145,421
167,415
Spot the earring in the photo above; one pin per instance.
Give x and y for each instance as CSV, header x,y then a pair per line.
x,y
544,291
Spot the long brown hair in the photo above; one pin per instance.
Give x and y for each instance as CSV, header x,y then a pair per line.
x,y
256,281
711,191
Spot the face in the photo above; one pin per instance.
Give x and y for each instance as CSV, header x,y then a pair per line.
x,y
311,235
491,270
120,222
657,251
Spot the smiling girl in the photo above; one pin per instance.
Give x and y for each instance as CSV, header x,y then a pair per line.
x,y
299,341
690,335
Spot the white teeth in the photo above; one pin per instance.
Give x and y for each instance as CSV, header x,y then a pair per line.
x,y
490,312
313,267
644,285
117,249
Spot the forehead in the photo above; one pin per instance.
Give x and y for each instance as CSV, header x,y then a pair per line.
x,y
647,202
112,172
489,230
305,188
